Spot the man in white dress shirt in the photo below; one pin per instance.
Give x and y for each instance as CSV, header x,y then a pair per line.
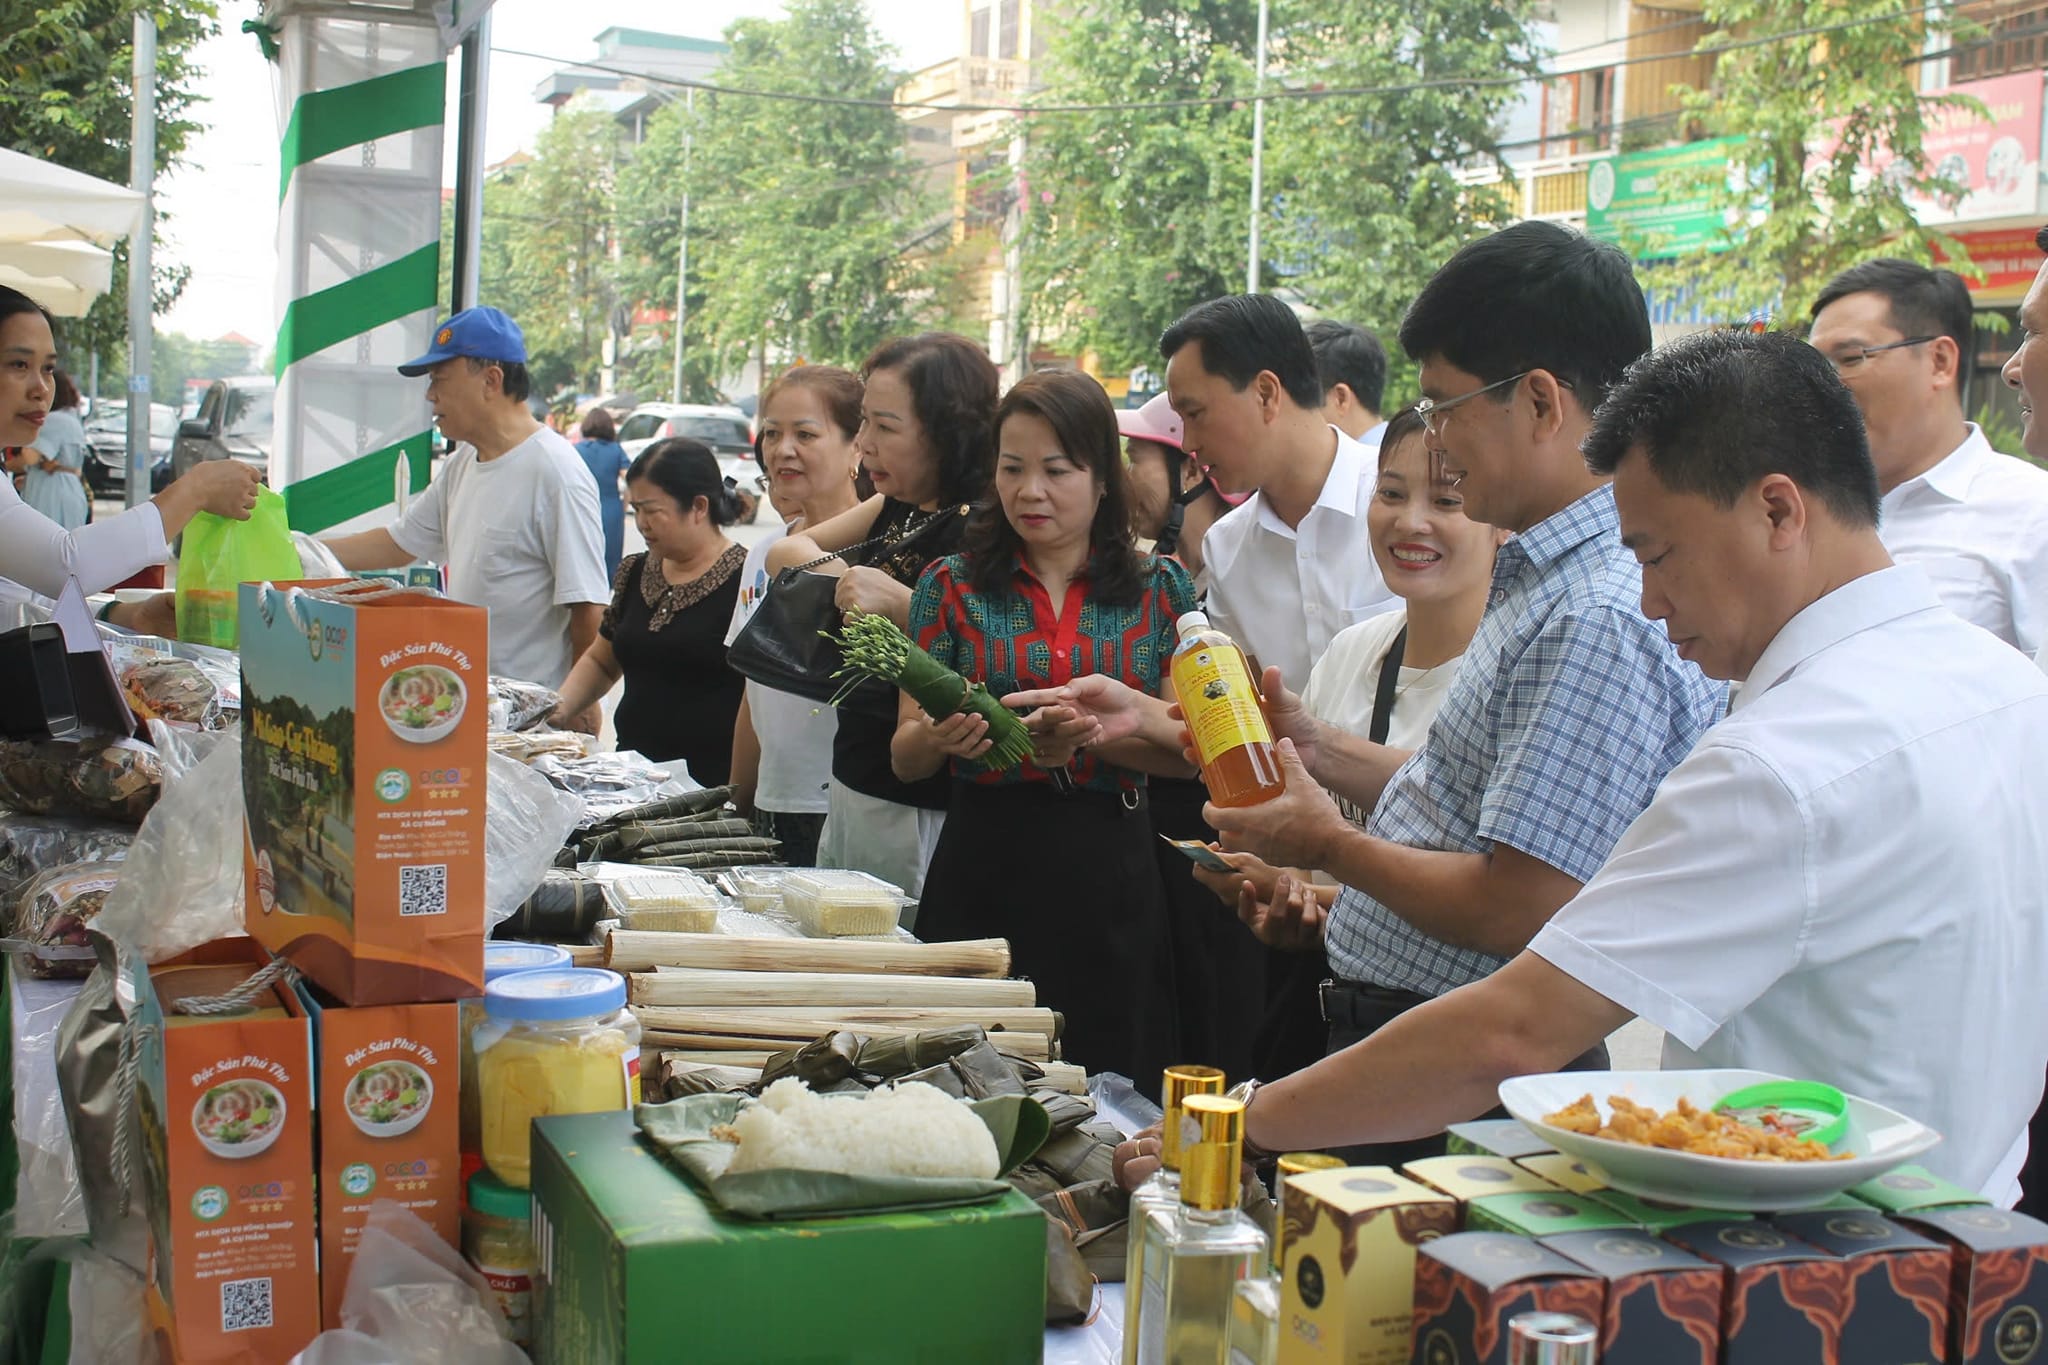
x,y
1353,366
1292,565
1845,880
1977,521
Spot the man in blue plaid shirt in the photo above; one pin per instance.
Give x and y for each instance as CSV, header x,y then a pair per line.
x,y
1571,705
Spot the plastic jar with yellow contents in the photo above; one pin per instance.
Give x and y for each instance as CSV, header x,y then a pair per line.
x,y
500,960
552,1042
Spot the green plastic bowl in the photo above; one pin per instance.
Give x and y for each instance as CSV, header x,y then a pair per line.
x,y
1823,1103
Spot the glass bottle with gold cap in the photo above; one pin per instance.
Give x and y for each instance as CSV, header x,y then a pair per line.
x,y
1195,1258
1255,1311
1162,1190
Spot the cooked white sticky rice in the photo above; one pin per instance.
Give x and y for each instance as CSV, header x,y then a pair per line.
x,y
913,1129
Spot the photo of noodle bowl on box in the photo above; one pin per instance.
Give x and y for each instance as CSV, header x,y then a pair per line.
x,y
237,1119
422,703
386,1099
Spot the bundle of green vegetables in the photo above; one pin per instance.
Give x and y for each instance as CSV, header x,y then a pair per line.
x,y
876,647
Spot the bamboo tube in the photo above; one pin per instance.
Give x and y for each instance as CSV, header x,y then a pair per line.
x,y
780,1021
743,1061
1031,1047
1064,1077
628,950
705,989
585,954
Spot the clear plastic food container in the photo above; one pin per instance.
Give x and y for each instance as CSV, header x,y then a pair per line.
x,y
759,889
500,960
551,1042
497,1240
829,903
677,901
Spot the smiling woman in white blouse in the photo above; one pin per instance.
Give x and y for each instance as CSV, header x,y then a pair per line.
x,y
38,553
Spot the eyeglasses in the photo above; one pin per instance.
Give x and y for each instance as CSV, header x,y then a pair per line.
x,y
1432,412
1849,361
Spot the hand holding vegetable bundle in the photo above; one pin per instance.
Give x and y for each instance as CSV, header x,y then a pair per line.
x,y
876,647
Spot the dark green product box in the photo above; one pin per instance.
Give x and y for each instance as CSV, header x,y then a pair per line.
x,y
1494,1137
1663,1305
1909,1189
1656,1215
1998,1284
1896,1285
635,1267
1782,1298
1541,1214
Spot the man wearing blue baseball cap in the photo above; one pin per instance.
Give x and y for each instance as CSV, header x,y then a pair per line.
x,y
513,513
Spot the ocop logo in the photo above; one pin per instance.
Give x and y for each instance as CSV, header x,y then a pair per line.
x,y
2018,1339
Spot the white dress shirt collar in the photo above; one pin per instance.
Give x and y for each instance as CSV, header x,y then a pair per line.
x,y
1343,489
1951,478
1856,606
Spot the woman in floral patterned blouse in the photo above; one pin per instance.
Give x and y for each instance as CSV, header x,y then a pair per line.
x,y
1054,855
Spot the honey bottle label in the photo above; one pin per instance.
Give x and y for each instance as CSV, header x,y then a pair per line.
x,y
1221,706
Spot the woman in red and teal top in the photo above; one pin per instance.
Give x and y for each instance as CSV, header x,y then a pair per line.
x,y
1054,855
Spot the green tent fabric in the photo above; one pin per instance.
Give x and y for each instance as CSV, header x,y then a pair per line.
x,y
682,1131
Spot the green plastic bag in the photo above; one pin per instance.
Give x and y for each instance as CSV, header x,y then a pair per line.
x,y
219,555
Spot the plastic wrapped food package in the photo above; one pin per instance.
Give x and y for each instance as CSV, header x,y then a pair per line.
x,y
50,919
525,821
183,882
674,902
527,745
30,843
612,784
49,1201
101,778
178,691
830,903
517,705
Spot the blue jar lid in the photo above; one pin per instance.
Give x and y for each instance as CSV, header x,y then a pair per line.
x,y
503,959
546,996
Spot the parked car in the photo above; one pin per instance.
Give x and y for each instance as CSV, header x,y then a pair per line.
x,y
725,430
234,422
106,442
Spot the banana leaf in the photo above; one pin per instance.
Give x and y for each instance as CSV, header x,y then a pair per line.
x,y
821,1065
681,1131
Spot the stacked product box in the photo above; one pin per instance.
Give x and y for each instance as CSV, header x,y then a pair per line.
x,y
1348,1290
364,787
225,1127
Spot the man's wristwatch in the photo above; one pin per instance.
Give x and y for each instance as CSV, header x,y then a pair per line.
x,y
1243,1092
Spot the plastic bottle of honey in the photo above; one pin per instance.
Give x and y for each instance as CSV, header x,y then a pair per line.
x,y
1221,703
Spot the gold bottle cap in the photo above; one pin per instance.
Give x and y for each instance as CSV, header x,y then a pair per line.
x,y
1181,1082
1301,1163
1212,1146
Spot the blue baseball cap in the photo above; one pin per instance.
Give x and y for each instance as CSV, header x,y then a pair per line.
x,y
480,333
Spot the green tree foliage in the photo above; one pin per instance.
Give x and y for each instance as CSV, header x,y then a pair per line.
x,y
66,97
547,249
808,223
1149,207
1817,110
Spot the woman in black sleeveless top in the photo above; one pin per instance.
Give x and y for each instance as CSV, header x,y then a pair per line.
x,y
928,443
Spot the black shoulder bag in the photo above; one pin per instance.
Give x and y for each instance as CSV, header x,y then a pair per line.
x,y
784,646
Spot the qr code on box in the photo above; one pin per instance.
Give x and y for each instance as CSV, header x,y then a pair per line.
x,y
423,890
244,1305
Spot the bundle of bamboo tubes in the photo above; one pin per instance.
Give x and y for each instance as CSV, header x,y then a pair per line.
x,y
727,1001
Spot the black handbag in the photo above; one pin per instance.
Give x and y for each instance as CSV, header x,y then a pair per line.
x,y
784,646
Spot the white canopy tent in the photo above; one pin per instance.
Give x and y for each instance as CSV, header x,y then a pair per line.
x,y
64,277
41,202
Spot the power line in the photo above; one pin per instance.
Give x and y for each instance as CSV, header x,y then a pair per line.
x,y
1280,93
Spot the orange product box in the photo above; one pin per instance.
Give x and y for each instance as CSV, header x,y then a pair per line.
x,y
384,1097
363,778
225,1118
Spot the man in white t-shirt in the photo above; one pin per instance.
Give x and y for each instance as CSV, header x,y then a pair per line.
x,y
1900,335
1292,565
513,513
1845,880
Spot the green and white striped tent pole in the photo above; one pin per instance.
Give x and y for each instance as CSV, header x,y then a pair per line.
x,y
362,103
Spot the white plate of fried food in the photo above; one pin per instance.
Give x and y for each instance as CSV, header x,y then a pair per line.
x,y
1611,1118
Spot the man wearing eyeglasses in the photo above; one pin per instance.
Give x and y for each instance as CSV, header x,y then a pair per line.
x,y
1974,520
1571,705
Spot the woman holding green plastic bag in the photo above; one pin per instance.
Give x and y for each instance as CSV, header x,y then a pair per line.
x,y
40,555
219,555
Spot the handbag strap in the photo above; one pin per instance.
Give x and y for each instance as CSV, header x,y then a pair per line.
x,y
1383,696
903,537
